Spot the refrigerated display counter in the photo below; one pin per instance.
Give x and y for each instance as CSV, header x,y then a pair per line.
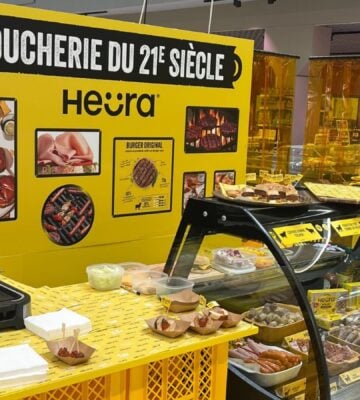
x,y
291,270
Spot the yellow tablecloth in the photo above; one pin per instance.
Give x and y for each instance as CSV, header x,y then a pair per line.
x,y
120,335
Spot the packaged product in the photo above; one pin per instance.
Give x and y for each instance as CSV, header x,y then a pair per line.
x,y
328,301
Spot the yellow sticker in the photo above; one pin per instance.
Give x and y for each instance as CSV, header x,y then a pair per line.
x,y
347,227
166,302
299,397
263,172
202,301
212,304
350,376
251,177
273,177
296,336
289,178
293,234
319,227
333,388
292,388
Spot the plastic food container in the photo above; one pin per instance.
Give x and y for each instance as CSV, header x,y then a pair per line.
x,y
129,268
143,281
172,285
104,276
233,258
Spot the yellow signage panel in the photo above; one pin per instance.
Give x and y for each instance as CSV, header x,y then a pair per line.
x,y
100,121
293,234
346,227
350,376
292,388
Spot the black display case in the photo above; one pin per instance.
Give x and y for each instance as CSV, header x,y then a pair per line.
x,y
308,245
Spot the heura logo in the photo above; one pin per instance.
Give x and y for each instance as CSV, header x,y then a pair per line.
x,y
114,104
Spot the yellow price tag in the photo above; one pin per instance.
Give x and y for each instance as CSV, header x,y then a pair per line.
x,y
347,227
202,301
293,234
292,178
292,388
350,376
251,177
212,304
273,177
333,388
166,302
263,172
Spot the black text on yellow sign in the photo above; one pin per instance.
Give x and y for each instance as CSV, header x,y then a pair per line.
x,y
347,227
292,388
290,235
350,376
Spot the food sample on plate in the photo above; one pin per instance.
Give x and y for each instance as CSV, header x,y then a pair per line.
x,y
164,324
267,359
167,326
228,318
185,300
70,350
233,258
273,315
272,193
218,314
64,352
201,322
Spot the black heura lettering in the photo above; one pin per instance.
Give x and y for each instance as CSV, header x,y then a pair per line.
x,y
94,103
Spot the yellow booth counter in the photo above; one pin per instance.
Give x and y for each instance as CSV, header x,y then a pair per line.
x,y
130,361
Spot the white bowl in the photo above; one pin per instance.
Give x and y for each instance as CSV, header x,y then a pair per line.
x,y
105,276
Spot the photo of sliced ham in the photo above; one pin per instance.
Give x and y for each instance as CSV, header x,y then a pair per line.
x,y
72,152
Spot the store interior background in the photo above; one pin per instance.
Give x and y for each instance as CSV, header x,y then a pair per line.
x,y
305,28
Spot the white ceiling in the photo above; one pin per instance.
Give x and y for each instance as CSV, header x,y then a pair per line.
x,y
112,7
341,43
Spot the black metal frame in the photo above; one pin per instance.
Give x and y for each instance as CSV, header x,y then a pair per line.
x,y
205,216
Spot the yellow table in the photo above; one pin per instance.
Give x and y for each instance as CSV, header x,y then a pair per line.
x,y
130,361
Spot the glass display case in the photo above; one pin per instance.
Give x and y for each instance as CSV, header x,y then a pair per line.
x,y
271,111
332,137
293,271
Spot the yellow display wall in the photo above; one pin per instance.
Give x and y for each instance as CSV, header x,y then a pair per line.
x,y
107,128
